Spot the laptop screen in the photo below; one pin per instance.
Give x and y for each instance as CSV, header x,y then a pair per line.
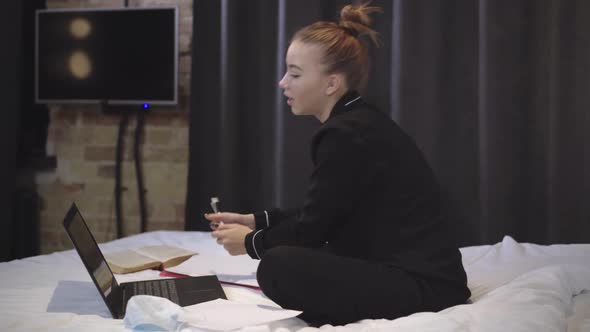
x,y
89,251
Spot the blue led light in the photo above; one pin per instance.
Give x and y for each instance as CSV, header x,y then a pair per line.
x,y
145,106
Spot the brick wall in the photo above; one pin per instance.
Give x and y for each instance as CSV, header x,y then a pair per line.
x,y
84,141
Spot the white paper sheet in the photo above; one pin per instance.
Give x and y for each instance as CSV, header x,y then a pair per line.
x,y
224,315
238,269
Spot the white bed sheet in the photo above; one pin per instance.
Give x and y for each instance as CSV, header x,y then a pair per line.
x,y
515,286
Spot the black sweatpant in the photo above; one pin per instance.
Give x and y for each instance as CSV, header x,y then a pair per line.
x,y
338,290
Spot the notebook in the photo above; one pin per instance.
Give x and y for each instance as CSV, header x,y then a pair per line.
x,y
182,291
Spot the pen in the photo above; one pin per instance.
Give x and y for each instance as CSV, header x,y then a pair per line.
x,y
214,202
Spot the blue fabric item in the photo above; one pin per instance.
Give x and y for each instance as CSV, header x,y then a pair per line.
x,y
151,313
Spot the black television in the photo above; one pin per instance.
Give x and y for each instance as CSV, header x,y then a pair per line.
x,y
107,55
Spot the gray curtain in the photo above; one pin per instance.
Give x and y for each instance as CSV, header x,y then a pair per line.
x,y
495,93
23,131
11,14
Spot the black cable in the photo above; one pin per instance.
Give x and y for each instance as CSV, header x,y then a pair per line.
x,y
118,165
138,169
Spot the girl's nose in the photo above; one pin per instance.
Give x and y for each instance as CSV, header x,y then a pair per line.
x,y
282,82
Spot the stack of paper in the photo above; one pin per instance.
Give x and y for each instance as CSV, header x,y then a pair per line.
x,y
224,315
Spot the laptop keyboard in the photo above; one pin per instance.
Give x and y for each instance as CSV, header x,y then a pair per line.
x,y
165,288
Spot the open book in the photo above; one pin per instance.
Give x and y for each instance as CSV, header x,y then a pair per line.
x,y
149,257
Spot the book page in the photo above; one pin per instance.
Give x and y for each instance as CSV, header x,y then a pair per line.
x,y
165,253
127,261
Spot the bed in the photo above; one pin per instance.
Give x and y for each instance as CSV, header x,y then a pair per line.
x,y
515,286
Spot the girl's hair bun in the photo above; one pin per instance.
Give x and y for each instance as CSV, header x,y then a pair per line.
x,y
356,21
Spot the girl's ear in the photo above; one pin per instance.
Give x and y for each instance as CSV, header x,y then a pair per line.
x,y
335,82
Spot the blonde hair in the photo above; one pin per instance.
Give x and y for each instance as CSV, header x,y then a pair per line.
x,y
345,50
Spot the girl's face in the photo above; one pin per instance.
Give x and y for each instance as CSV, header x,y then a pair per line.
x,y
305,81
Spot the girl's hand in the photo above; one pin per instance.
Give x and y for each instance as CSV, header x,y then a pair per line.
x,y
231,218
232,237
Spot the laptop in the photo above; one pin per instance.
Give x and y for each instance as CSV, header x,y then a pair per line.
x,y
182,291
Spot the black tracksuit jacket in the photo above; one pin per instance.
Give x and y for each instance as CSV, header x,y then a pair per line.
x,y
371,196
